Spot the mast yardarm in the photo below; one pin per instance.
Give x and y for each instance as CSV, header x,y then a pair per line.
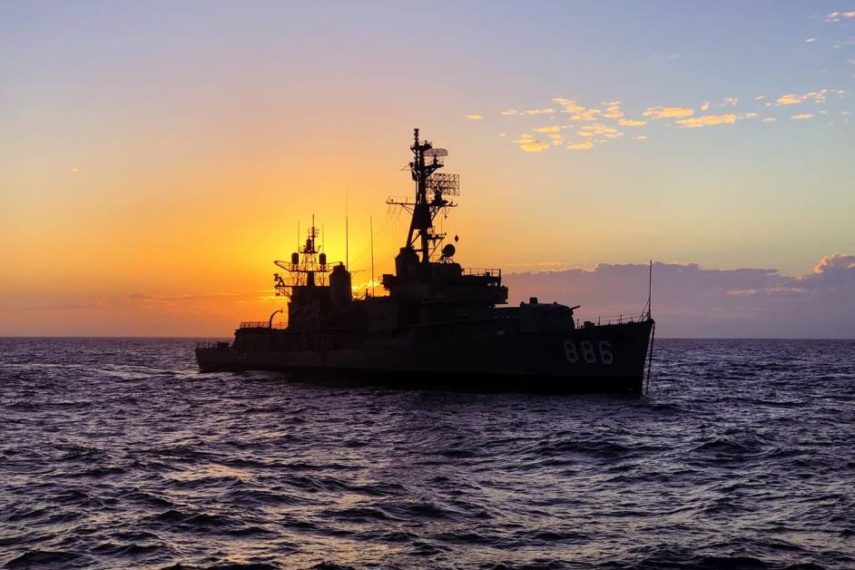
x,y
431,189
305,264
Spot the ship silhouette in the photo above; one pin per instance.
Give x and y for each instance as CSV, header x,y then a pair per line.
x,y
438,326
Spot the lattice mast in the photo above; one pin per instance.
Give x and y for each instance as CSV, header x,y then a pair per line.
x,y
431,189
307,263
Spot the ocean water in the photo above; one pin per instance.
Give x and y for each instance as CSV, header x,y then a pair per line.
x,y
116,453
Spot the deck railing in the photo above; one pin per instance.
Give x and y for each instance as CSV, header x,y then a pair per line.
x,y
490,272
614,319
262,325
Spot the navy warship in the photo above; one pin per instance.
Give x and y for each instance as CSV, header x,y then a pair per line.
x,y
438,325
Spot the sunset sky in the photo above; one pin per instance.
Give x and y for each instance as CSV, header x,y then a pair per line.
x,y
155,157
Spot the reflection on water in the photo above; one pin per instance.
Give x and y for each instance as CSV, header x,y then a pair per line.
x,y
115,453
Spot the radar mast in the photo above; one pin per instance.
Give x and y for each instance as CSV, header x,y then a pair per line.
x,y
306,263
431,191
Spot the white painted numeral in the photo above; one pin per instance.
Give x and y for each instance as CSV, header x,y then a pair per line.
x,y
606,355
588,353
570,352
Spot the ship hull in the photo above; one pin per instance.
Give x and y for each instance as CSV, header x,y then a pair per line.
x,y
475,356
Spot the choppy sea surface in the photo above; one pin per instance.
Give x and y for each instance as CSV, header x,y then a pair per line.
x,y
117,453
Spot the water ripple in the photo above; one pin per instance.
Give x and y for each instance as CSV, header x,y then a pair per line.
x,y
116,453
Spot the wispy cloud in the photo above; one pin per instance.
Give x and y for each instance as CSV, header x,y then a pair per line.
x,y
707,121
528,143
668,112
544,111
599,130
576,111
599,124
568,105
612,110
474,117
837,16
796,98
584,145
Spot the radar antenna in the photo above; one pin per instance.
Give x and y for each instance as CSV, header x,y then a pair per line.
x,y
307,263
432,190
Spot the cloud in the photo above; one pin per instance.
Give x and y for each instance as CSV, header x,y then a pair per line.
x,y
790,99
803,116
594,132
834,269
796,98
528,143
599,130
707,121
585,145
602,123
612,110
810,40
569,106
576,111
544,111
474,117
689,300
548,129
668,112
640,137
837,16
587,115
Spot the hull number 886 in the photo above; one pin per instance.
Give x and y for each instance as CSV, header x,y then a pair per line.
x,y
588,352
